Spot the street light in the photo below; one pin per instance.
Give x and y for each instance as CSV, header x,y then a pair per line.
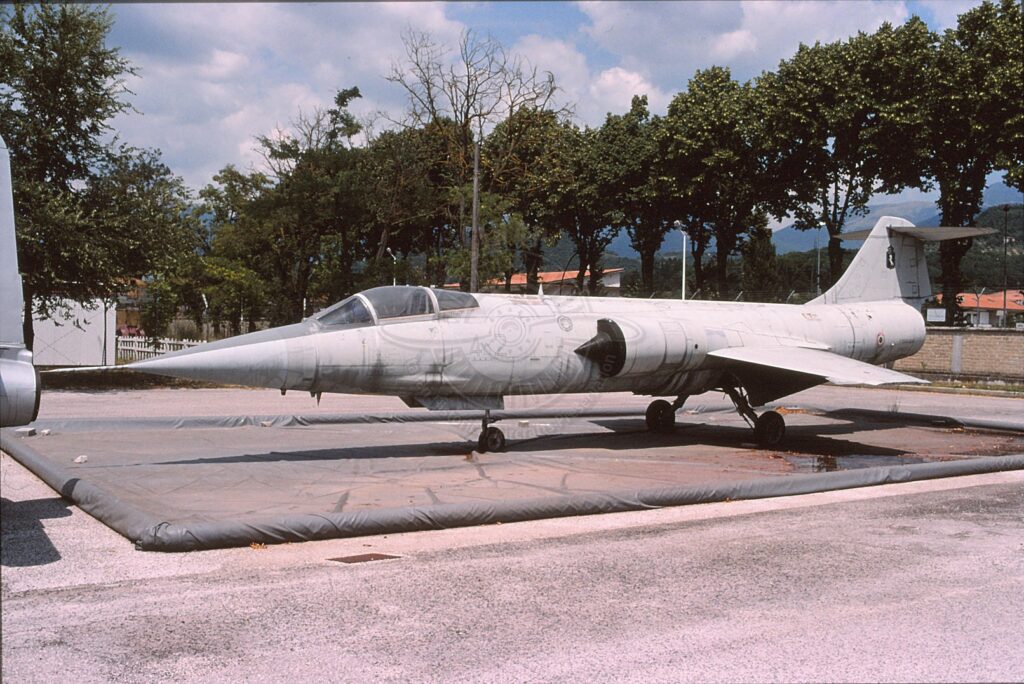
x,y
817,266
394,274
1006,214
682,231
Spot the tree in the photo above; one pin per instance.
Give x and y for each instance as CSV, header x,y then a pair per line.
x,y
845,120
760,276
578,203
714,155
534,162
312,204
639,193
462,101
82,204
229,270
974,93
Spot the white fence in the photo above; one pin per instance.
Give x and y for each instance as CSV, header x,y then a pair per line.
x,y
130,348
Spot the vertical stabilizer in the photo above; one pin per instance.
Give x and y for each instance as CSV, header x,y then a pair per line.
x,y
19,381
10,279
890,265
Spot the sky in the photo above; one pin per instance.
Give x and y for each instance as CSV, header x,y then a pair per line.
x,y
213,77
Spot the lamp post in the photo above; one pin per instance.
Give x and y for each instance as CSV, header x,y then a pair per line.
x,y
394,259
817,264
1006,215
682,231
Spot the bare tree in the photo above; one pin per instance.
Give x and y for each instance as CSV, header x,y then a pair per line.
x,y
465,96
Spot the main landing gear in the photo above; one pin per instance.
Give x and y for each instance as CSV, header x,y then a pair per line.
x,y
661,415
491,438
769,427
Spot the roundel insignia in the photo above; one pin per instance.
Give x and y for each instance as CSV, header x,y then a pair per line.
x,y
880,340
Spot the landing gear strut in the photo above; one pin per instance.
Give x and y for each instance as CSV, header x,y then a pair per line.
x,y
769,427
491,438
661,415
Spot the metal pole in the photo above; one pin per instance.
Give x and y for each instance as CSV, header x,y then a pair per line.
x,y
474,256
1006,214
817,267
684,266
682,231
394,269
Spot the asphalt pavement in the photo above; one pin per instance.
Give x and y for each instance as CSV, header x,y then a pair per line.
x,y
914,582
922,581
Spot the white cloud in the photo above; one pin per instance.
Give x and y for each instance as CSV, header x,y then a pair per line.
x,y
730,45
668,42
223,65
594,93
613,91
213,77
945,12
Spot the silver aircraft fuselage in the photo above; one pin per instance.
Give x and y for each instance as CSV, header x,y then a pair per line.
x,y
528,344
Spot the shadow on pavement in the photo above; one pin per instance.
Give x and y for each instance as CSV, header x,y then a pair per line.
x,y
24,539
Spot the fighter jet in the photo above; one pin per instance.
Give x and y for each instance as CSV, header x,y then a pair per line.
x,y
444,349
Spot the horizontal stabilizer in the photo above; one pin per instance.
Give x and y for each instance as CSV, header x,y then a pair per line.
x,y
84,369
836,369
936,234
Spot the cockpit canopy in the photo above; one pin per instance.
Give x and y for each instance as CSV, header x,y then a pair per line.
x,y
382,303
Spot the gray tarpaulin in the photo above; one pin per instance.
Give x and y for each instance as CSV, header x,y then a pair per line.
x,y
150,531
191,422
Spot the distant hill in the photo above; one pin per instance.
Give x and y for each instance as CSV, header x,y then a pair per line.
x,y
788,239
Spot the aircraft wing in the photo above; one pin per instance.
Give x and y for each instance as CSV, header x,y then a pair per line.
x,y
834,368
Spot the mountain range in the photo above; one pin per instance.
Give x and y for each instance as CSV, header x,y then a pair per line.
x,y
789,239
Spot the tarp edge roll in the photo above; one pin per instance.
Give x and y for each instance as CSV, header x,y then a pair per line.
x,y
123,518
209,535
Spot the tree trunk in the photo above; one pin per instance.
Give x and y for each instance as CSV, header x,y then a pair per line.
x,y
647,269
596,274
835,260
950,254
721,271
697,251
532,259
27,326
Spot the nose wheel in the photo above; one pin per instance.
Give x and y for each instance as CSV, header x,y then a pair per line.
x,y
769,427
491,438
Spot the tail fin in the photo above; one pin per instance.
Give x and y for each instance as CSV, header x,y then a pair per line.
x,y
891,263
19,380
10,279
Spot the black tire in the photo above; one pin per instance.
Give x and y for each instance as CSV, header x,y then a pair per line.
x,y
661,417
770,429
491,439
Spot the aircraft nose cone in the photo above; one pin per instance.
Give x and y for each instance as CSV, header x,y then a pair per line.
x,y
283,358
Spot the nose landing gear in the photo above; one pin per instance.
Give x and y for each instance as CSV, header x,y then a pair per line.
x,y
769,427
491,438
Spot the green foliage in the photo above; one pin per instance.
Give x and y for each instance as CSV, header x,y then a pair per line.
x,y
973,117
760,272
982,266
159,307
845,121
814,139
89,215
715,156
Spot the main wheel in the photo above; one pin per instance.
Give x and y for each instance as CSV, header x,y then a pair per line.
x,y
491,439
769,429
661,417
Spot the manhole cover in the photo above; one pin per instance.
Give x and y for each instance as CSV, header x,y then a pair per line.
x,y
363,558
